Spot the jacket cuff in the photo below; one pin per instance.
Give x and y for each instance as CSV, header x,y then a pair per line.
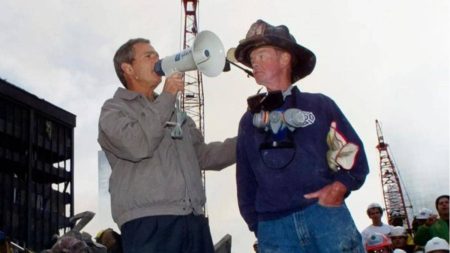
x,y
348,180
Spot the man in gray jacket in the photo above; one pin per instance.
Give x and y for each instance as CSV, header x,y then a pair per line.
x,y
156,188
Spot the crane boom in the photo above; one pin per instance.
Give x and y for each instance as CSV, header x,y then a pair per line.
x,y
393,194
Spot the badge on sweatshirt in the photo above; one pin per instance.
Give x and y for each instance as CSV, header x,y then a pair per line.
x,y
341,153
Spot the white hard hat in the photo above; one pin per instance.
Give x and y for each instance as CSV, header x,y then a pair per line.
x,y
374,205
436,243
398,231
424,214
398,251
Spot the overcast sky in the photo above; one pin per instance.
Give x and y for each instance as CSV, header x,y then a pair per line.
x,y
385,60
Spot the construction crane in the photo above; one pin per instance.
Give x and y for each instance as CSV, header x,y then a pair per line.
x,y
393,193
192,98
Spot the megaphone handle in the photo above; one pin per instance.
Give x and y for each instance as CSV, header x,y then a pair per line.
x,y
177,132
178,102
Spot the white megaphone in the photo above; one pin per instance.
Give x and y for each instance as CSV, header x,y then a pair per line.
x,y
207,54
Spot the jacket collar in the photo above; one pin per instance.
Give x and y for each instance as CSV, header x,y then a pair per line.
x,y
130,95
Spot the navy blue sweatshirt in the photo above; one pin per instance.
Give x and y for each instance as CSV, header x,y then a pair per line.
x,y
271,182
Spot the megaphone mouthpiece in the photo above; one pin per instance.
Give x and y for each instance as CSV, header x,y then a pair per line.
x,y
158,68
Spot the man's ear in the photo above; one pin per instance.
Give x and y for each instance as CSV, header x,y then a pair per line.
x,y
127,68
286,58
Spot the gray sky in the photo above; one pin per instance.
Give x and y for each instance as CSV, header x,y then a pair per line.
x,y
385,60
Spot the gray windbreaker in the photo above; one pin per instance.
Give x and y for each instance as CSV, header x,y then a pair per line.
x,y
152,173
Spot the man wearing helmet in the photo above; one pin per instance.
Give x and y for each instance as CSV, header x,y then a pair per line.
x,y
437,245
435,227
298,157
375,212
399,238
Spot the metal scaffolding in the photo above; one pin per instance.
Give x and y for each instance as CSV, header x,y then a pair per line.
x,y
192,100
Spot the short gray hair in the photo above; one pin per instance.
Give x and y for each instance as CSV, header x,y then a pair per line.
x,y
125,54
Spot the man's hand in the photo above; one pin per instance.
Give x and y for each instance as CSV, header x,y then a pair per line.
x,y
431,220
331,195
174,83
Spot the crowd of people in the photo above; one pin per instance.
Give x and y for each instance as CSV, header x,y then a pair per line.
x,y
429,232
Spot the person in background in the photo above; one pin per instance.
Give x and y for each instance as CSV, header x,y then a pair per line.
x,y
375,212
110,239
437,245
399,238
156,154
378,243
421,217
434,227
298,157
396,219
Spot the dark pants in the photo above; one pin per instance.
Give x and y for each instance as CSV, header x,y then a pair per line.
x,y
167,234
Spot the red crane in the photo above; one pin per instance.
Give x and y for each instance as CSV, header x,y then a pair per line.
x,y
393,193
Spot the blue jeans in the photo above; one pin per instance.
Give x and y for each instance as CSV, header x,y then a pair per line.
x,y
316,229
